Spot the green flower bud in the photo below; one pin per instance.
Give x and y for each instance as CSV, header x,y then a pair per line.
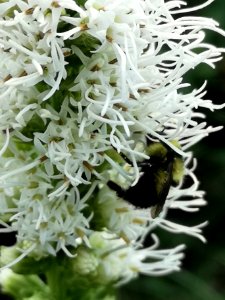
x,y
85,262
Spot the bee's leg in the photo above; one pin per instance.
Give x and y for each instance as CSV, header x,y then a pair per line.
x,y
125,158
145,164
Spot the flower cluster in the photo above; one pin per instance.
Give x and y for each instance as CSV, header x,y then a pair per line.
x,y
84,83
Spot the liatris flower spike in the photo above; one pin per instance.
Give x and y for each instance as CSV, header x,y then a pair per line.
x,y
96,125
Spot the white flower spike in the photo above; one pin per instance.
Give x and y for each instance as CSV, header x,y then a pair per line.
x,y
92,95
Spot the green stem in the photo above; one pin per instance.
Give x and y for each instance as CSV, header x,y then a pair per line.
x,y
55,282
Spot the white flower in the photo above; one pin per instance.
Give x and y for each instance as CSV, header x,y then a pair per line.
x,y
30,47
119,217
80,88
119,262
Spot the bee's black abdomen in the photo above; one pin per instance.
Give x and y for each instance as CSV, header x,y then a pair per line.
x,y
115,187
7,239
142,195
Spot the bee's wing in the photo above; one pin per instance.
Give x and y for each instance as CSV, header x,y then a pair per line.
x,y
163,180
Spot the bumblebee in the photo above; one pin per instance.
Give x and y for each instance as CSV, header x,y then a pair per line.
x,y
163,169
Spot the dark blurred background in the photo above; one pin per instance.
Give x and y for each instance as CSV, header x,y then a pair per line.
x,y
203,273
